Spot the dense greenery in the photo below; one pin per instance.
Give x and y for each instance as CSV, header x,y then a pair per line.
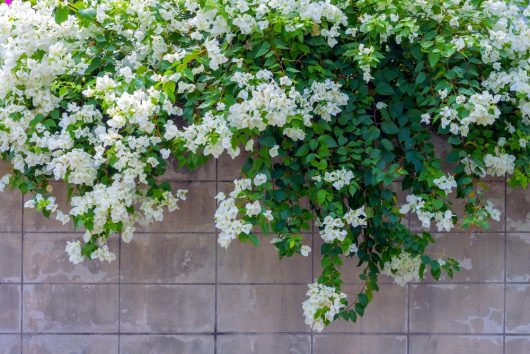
x,y
336,103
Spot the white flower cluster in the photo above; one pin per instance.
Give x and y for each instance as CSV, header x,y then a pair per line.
x,y
415,204
404,268
227,211
445,183
493,212
499,164
262,102
76,167
86,141
35,50
73,249
125,108
39,201
226,221
338,178
257,15
334,228
356,217
4,181
324,300
482,108
212,134
506,46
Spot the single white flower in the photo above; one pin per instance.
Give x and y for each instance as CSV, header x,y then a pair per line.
x,y
260,179
273,151
253,209
305,250
249,146
165,153
426,118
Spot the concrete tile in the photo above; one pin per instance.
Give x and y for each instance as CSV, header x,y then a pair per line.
x,y
10,257
441,150
230,169
35,221
261,308
149,344
10,305
518,210
518,309
196,213
517,260
70,308
470,250
175,173
5,167
45,260
167,308
11,207
517,345
387,313
169,258
349,344
472,308
264,344
434,344
70,344
10,204
10,344
246,263
493,191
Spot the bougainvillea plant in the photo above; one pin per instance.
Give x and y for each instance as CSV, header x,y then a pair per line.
x,y
335,103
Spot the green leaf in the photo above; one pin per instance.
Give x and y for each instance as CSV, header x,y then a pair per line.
x,y
263,50
384,88
328,141
87,14
433,58
61,14
371,134
387,144
363,299
389,127
453,156
321,196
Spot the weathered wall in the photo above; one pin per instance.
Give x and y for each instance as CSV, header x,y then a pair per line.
x,y
174,291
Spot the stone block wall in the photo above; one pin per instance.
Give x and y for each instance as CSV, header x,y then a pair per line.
x,y
173,290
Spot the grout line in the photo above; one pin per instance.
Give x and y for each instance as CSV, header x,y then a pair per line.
x,y
505,269
258,284
312,338
119,294
22,274
408,299
408,318
213,232
216,264
268,333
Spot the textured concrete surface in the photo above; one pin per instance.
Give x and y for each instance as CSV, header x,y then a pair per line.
x,y
173,290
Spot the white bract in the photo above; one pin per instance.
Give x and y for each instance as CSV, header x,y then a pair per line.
x,y
339,178
445,183
404,268
323,298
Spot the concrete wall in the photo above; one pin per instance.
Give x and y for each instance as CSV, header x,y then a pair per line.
x,y
174,291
